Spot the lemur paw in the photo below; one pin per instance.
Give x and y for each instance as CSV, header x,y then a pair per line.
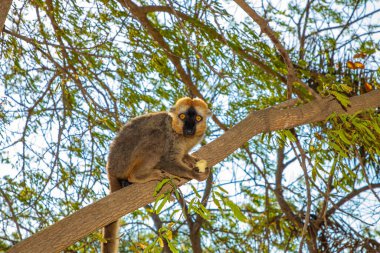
x,y
190,160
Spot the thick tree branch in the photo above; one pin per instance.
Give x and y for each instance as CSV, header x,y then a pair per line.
x,y
76,226
5,5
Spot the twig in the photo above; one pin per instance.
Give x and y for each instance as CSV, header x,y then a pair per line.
x,y
302,161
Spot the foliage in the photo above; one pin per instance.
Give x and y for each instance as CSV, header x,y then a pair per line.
x,y
72,72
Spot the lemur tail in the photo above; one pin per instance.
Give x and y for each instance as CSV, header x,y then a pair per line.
x,y
111,231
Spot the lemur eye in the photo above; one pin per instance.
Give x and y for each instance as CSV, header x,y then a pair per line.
x,y
198,118
182,116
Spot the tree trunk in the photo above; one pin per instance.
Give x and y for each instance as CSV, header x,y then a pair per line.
x,y
195,238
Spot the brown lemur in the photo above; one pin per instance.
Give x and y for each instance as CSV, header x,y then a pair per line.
x,y
155,146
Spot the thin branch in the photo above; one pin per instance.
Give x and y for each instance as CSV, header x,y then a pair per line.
x,y
302,162
329,188
158,225
348,21
278,190
265,28
38,42
340,26
14,216
361,162
302,36
350,196
206,195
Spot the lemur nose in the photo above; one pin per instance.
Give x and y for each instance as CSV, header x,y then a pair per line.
x,y
189,131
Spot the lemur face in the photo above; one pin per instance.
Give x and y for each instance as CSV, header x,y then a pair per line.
x,y
189,117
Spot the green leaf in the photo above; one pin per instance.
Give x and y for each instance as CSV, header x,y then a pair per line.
x,y
160,242
158,198
173,213
171,247
150,247
200,212
217,203
342,99
289,135
346,88
369,132
163,202
205,211
344,187
222,189
236,210
314,173
338,148
160,185
376,127
195,191
343,137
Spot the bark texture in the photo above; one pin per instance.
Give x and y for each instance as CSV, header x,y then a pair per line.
x,y
5,5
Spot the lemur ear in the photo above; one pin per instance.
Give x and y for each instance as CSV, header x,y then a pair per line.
x,y
172,109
